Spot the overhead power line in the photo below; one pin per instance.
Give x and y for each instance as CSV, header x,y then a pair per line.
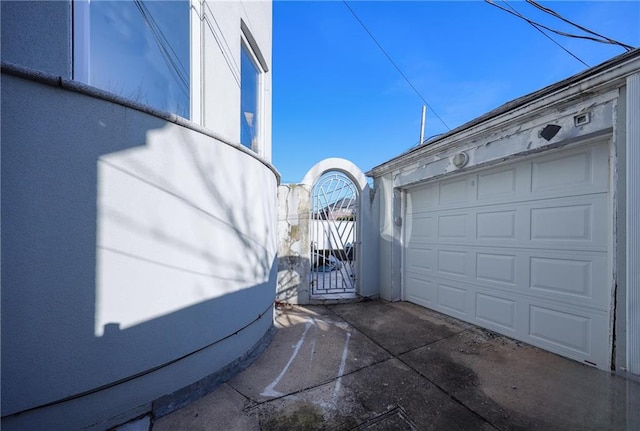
x,y
170,57
394,63
561,33
586,30
548,37
221,40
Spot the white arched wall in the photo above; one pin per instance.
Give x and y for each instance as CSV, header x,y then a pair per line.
x,y
336,164
368,255
294,247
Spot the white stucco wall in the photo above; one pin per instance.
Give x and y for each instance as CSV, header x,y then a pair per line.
x,y
388,222
221,39
133,244
38,25
294,257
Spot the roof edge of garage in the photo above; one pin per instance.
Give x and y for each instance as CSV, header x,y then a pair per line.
x,y
597,78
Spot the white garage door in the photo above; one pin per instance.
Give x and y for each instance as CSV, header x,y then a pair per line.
x,y
521,249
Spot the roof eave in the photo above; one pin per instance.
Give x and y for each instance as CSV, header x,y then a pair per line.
x,y
524,103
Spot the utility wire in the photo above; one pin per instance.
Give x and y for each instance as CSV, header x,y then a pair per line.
x,y
561,33
172,60
394,63
170,57
586,30
417,144
225,50
548,37
225,55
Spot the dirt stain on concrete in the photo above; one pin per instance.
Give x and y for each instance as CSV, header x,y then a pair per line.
x,y
302,416
306,416
463,384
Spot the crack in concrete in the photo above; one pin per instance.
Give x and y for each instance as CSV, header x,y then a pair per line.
x,y
394,356
341,374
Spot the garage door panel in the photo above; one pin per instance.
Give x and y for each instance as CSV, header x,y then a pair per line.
x,y
419,260
453,191
452,298
507,265
453,226
494,267
452,263
499,225
570,170
570,277
577,223
565,223
494,310
499,184
420,230
521,249
586,172
566,330
421,291
422,201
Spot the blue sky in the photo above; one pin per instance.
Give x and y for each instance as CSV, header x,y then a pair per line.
x,y
335,94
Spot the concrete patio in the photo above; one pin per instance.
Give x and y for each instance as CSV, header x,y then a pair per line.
x,y
397,366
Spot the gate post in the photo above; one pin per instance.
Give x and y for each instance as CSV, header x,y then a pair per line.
x,y
294,246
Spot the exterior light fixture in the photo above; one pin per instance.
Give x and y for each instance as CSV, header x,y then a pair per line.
x,y
460,159
549,131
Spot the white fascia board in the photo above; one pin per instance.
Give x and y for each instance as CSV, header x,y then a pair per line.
x,y
519,139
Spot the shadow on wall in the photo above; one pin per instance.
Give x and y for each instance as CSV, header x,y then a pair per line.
x,y
293,279
138,257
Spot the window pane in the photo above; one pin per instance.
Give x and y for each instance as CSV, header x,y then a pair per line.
x,y
140,50
249,100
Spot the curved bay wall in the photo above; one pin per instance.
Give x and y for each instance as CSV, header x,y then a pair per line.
x,y
138,257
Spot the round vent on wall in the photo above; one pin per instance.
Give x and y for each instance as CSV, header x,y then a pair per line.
x,y
460,159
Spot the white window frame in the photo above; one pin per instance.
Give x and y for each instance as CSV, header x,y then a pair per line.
x,y
196,59
249,44
81,25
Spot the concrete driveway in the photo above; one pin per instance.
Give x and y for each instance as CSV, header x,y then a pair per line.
x,y
397,366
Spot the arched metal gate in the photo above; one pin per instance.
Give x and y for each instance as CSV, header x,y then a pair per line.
x,y
333,233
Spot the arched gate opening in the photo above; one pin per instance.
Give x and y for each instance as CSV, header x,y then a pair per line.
x,y
333,233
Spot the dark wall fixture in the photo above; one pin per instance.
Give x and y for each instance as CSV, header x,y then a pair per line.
x,y
549,131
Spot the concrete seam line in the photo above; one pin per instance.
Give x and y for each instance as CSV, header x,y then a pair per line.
x,y
393,356
142,373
